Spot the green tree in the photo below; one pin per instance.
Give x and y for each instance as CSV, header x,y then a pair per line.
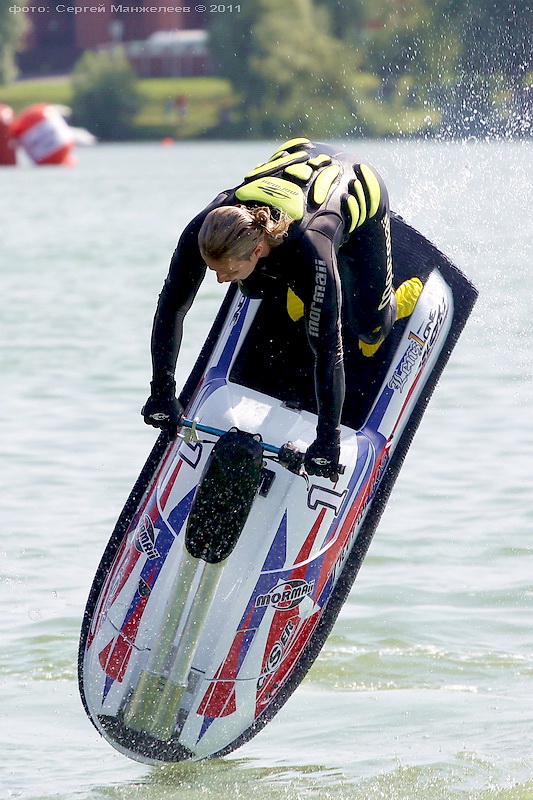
x,y
313,65
293,75
347,18
105,94
398,39
12,26
232,44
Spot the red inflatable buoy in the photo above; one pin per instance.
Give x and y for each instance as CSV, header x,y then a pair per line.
x,y
8,145
44,135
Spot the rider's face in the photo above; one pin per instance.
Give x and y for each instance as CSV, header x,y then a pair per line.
x,y
237,269
232,269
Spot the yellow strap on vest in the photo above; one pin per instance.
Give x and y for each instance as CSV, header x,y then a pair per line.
x,y
319,161
301,155
295,307
301,171
289,144
323,183
374,191
274,191
353,209
360,195
276,155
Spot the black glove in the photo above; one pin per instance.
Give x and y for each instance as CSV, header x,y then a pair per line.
x,y
163,409
322,457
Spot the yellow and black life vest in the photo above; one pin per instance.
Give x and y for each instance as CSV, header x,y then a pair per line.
x,y
302,180
300,183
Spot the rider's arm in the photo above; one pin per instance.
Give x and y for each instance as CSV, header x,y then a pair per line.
x,y
187,270
323,324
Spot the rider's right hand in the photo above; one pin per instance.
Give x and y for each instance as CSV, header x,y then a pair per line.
x,y
163,409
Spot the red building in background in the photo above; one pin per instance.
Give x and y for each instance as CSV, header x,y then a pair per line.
x,y
57,36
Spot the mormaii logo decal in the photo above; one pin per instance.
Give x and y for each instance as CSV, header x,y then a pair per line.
x,y
286,595
144,538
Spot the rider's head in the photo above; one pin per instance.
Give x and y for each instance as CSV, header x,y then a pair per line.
x,y
233,238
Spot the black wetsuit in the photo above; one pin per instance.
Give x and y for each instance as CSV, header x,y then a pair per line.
x,y
342,276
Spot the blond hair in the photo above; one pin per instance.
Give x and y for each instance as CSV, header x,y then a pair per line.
x,y
235,231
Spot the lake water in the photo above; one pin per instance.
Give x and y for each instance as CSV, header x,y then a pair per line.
x,y
424,689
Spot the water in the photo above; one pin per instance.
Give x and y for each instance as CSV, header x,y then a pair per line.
x,y
424,688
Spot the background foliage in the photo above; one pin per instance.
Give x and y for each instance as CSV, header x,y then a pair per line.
x,y
12,27
331,68
105,94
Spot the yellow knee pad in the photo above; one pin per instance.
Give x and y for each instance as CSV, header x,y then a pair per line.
x,y
407,295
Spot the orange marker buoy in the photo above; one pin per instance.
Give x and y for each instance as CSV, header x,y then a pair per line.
x,y
8,145
168,141
44,135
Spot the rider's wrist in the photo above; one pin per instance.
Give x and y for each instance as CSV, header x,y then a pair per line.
x,y
326,432
163,385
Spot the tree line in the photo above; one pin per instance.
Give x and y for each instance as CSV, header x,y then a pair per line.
x,y
356,67
11,29
336,66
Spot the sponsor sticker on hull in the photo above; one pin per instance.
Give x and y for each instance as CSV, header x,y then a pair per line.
x,y
144,538
420,346
285,595
277,651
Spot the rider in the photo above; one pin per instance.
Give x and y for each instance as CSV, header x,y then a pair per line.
x,y
314,221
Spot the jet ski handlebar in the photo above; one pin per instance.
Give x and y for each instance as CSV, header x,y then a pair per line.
x,y
288,455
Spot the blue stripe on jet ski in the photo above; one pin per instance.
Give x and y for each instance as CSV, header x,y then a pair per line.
x,y
376,417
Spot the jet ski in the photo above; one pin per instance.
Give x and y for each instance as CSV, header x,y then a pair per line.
x,y
228,567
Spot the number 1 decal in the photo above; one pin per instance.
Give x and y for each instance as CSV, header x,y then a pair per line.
x,y
320,496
